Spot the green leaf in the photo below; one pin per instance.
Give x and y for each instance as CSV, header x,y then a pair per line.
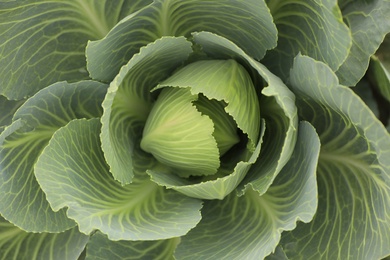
x,y
101,248
56,105
277,255
129,101
42,42
383,53
225,128
249,227
232,171
365,92
223,80
369,22
22,201
380,77
247,23
277,106
179,136
129,7
314,28
82,183
352,220
18,244
7,110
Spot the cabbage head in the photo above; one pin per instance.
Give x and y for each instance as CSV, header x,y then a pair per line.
x,y
194,129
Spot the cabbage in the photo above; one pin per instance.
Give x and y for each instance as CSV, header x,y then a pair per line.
x,y
191,129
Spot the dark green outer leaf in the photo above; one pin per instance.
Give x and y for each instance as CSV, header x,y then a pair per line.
x,y
277,255
383,53
128,7
364,91
369,22
56,105
22,201
18,244
353,216
380,77
101,248
7,110
247,23
314,28
42,42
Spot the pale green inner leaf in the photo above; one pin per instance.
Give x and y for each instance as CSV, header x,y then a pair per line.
x,y
225,128
179,136
223,80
